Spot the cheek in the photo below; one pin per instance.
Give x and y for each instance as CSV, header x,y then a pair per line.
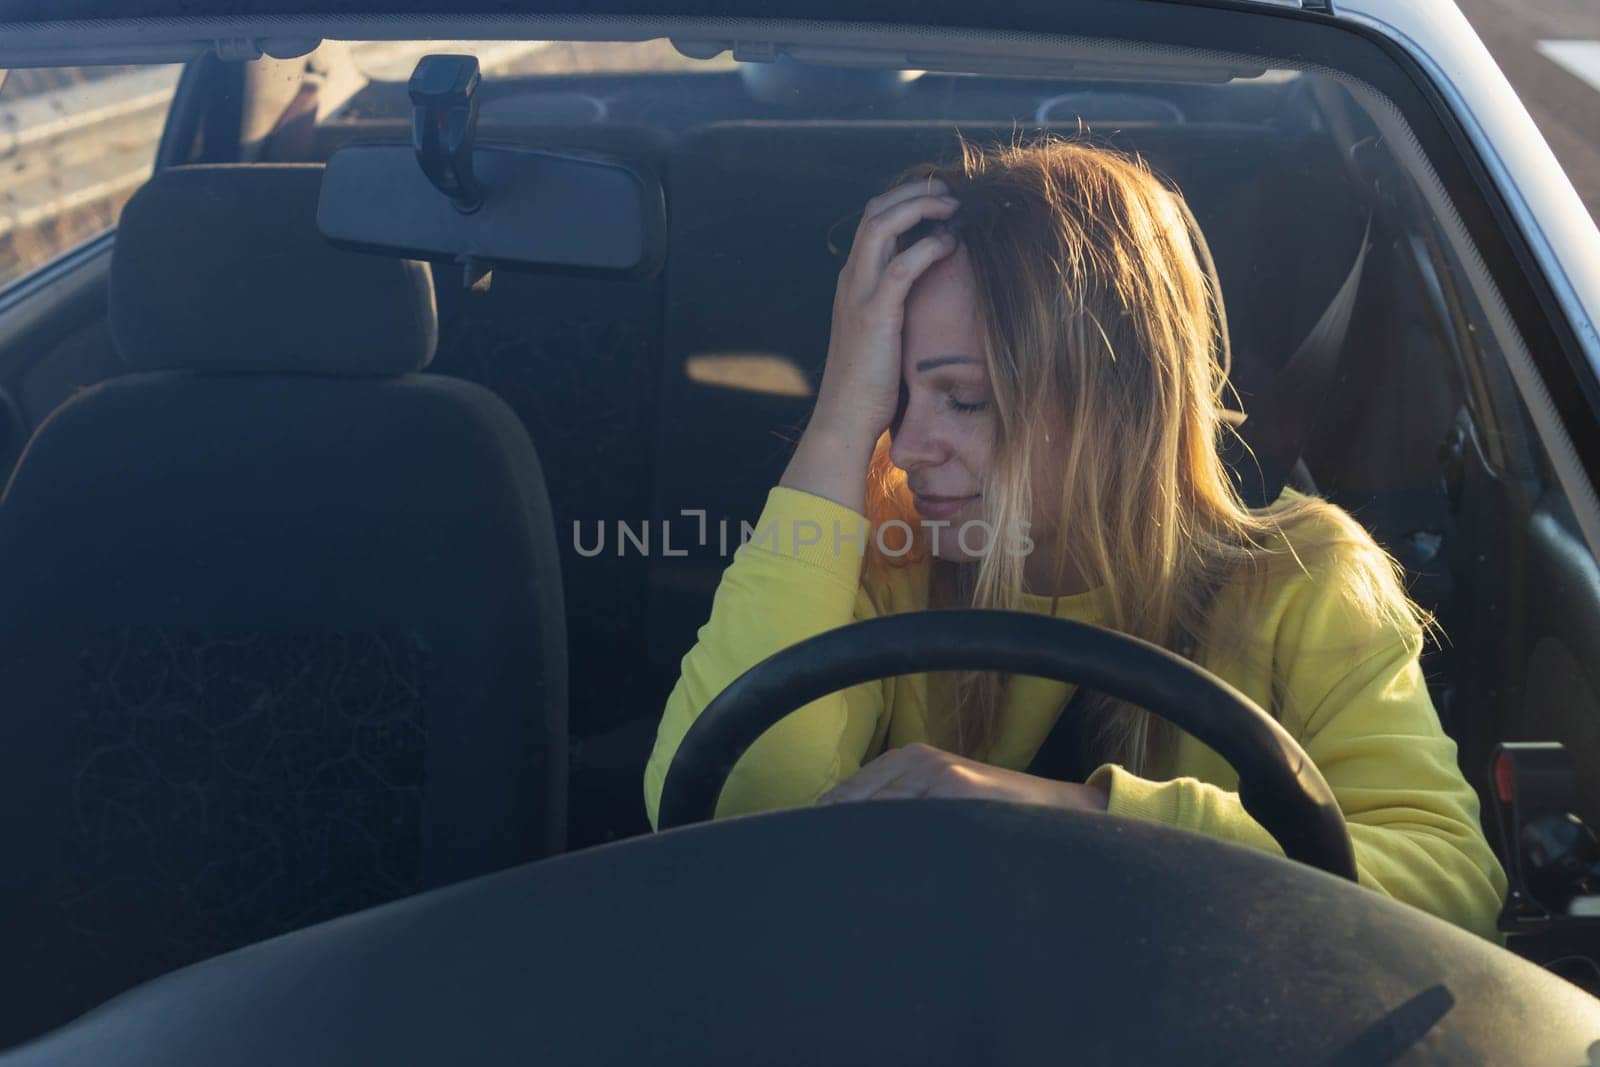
x,y
977,448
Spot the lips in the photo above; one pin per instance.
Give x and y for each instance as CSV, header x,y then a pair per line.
x,y
934,506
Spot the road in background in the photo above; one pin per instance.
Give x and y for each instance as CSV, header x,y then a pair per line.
x,y
1550,51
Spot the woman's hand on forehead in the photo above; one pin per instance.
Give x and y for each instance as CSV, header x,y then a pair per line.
x,y
861,380
860,390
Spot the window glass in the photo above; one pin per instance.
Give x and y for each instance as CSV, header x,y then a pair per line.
x,y
393,60
1289,169
1380,354
665,407
75,142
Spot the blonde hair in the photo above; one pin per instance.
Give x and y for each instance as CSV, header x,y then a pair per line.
x,y
1102,349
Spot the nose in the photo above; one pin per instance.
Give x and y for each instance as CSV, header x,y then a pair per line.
x,y
916,441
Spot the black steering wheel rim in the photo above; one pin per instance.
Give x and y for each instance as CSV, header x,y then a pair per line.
x,y
1278,784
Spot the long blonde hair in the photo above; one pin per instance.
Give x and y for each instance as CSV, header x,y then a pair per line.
x,y
1102,349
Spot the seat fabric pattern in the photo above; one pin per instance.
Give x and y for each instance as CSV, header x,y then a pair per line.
x,y
295,760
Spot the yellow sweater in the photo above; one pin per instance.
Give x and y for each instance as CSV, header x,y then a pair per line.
x,y
1362,713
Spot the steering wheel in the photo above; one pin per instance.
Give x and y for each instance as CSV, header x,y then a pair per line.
x,y
1278,784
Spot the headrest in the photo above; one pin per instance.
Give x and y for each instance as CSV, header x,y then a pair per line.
x,y
222,268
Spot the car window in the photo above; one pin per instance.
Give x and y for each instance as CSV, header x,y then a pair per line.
x,y
75,142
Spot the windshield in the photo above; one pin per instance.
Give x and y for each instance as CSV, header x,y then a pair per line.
x,y
355,531
394,60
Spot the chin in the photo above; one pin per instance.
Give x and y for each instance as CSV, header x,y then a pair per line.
x,y
953,554
949,530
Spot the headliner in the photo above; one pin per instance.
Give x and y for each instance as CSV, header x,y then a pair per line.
x,y
1029,14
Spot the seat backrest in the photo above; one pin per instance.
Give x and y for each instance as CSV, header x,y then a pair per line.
x,y
282,631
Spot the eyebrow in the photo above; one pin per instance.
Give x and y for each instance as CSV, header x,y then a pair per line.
x,y
925,365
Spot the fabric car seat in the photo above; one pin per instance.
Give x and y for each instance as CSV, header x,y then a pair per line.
x,y
282,634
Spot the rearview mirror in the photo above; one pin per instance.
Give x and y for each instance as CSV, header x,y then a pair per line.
x,y
539,210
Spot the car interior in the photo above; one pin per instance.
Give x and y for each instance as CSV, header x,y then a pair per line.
x,y
304,604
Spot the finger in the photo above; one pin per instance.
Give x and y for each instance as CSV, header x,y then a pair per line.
x,y
884,201
875,242
874,776
879,231
900,193
910,771
909,786
858,788
904,269
902,788
930,772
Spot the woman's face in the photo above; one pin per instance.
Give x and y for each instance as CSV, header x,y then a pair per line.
x,y
944,438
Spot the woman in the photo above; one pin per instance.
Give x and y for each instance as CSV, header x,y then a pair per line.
x,y
1024,351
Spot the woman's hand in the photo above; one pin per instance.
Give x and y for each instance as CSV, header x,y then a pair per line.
x,y
860,388
919,770
861,382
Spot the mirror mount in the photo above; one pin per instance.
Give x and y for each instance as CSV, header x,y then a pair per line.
x,y
476,275
444,122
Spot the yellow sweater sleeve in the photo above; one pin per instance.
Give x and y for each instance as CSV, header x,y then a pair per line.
x,y
798,575
1356,700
